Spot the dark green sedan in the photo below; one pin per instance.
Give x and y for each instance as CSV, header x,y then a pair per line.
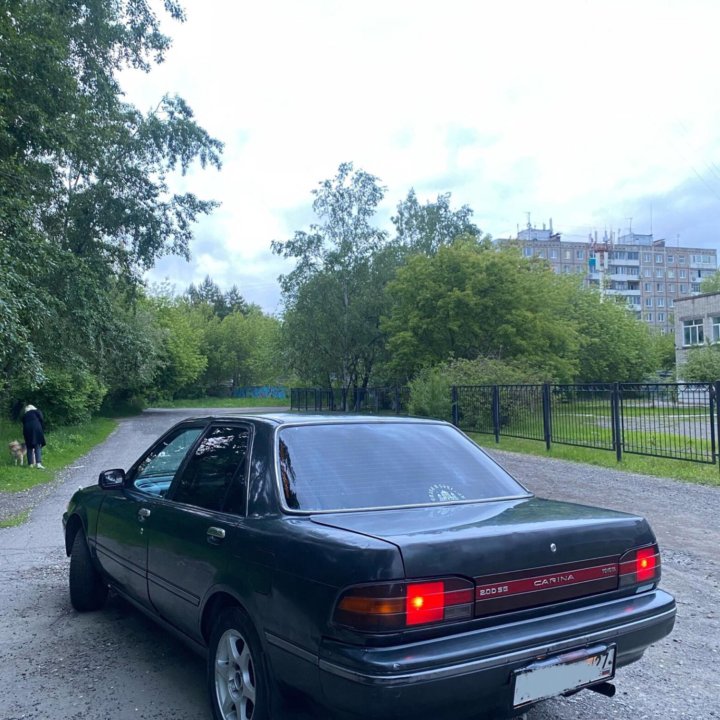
x,y
386,568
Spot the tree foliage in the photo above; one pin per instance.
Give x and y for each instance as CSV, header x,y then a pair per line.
x,y
426,228
470,299
85,201
334,296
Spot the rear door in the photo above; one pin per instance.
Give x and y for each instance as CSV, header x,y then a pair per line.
x,y
192,531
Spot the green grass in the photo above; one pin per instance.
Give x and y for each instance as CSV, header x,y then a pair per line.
x,y
64,446
222,402
659,467
15,520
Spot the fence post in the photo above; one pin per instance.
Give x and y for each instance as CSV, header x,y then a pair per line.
x,y
615,420
305,392
454,407
547,419
397,400
496,412
717,417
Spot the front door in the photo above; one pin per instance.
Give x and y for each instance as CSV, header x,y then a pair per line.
x,y
127,514
192,533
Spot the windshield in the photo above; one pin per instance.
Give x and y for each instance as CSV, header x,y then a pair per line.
x,y
352,466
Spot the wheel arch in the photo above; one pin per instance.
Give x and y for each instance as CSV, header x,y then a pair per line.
x,y
219,601
73,526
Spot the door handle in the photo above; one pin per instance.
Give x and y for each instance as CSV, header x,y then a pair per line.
x,y
143,513
215,534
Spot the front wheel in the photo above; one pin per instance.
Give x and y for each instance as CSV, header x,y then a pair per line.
x,y
88,589
237,677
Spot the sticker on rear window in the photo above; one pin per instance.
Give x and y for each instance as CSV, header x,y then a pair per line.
x,y
444,493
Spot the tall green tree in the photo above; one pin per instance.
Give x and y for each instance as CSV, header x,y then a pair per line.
x,y
85,200
334,297
425,228
470,300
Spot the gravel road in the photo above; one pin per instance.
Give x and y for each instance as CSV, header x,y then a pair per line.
x,y
115,664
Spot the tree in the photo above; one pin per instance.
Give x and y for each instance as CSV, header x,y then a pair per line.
x,y
702,365
85,204
334,297
426,228
471,300
614,346
710,284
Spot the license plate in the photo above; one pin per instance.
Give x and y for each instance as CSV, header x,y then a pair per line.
x,y
562,673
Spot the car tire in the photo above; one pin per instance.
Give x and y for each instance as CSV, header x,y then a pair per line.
x,y
238,677
88,589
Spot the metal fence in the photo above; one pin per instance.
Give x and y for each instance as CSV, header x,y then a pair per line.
x,y
386,400
670,420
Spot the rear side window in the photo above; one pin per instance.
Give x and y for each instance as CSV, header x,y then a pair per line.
x,y
216,461
353,466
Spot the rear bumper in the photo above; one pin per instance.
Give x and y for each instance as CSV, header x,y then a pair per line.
x,y
466,674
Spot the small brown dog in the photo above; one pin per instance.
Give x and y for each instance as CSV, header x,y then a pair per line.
x,y
18,451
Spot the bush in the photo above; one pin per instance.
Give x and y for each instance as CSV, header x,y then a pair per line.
x,y
431,389
67,397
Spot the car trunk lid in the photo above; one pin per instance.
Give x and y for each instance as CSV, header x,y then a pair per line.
x,y
519,553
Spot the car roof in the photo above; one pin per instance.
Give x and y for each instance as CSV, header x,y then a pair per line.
x,y
318,418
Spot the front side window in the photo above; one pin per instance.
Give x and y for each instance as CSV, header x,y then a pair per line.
x,y
693,332
371,465
158,468
206,480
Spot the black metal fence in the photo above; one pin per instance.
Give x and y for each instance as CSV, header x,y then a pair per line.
x,y
671,420
373,399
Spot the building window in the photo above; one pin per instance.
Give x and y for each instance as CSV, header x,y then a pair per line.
x,y
648,317
648,302
659,287
671,287
716,329
566,268
660,302
670,274
671,259
693,332
648,287
695,287
647,272
683,274
553,254
681,259
671,302
567,255
579,254
659,273
646,257
658,259
661,317
527,252
683,289
541,254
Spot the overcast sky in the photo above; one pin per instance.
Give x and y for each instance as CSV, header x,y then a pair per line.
x,y
586,112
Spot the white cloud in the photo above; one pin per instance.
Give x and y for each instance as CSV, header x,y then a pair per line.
x,y
573,109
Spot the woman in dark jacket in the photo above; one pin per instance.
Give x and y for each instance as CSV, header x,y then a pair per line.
x,y
34,433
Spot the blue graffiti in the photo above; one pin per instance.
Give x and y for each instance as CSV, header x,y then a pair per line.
x,y
261,391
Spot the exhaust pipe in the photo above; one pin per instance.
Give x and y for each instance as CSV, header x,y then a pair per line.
x,y
604,688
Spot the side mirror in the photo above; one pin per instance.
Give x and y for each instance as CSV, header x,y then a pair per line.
x,y
110,479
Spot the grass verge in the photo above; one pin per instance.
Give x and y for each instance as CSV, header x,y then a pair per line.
x,y
15,520
64,446
684,470
222,402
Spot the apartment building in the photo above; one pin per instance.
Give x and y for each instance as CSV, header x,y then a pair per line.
x,y
648,274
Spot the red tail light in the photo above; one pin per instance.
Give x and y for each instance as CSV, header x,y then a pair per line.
x,y
640,566
395,606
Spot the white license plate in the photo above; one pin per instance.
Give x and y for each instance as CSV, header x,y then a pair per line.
x,y
562,673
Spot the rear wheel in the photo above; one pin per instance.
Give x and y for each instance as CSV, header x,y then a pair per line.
x,y
238,679
88,589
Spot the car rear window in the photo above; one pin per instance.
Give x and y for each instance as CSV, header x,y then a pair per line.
x,y
354,465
